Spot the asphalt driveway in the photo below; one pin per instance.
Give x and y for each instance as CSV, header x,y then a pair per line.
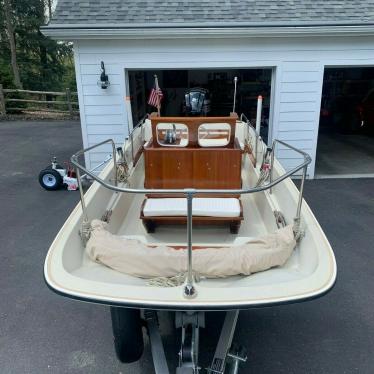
x,y
41,332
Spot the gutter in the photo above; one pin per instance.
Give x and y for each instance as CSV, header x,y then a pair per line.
x,y
187,31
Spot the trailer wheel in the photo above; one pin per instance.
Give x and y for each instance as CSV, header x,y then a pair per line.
x,y
50,179
127,332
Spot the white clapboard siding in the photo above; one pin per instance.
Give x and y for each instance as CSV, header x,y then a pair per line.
x,y
304,95
105,148
300,125
300,85
97,138
102,100
294,87
92,79
307,66
92,67
106,130
94,89
113,119
300,144
103,110
292,162
95,165
295,107
295,135
290,154
99,156
300,76
298,65
286,115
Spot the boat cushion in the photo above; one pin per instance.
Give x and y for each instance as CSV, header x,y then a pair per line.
x,y
208,207
132,257
213,142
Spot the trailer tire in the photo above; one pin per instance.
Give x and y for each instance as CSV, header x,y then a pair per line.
x,y
127,333
50,179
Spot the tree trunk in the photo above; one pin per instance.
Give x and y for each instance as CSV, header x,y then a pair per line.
x,y
12,43
49,10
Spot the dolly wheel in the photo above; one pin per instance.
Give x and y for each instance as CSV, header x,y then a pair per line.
x,y
50,179
128,334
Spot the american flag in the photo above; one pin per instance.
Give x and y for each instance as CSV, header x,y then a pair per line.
x,y
155,97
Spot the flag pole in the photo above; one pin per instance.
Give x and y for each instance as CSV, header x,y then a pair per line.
x,y
235,83
158,96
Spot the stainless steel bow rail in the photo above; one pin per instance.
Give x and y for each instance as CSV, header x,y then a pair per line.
x,y
189,288
226,358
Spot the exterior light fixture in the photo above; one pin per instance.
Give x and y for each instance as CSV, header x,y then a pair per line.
x,y
103,82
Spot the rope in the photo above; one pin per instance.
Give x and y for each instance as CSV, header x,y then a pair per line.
x,y
85,231
264,175
123,172
175,281
265,168
247,147
279,219
298,231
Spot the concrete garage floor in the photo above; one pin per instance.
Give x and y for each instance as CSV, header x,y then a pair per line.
x,y
344,155
41,332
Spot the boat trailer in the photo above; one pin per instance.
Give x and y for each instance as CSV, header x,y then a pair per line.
x,y
227,356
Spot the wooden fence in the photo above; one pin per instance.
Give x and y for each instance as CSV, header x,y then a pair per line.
x,y
37,101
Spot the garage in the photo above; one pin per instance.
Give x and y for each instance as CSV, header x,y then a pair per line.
x,y
346,129
286,56
218,83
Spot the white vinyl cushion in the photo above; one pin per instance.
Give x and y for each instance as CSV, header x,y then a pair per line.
x,y
208,207
213,142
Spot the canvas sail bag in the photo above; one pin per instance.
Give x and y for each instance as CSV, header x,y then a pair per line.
x,y
132,257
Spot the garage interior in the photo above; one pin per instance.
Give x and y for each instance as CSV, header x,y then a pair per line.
x,y
346,129
219,83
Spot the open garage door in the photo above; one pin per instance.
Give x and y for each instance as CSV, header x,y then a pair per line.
x,y
219,83
346,130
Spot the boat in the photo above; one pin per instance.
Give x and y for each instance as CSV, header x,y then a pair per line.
x,y
161,163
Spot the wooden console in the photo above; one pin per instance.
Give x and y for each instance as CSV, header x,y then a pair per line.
x,y
193,166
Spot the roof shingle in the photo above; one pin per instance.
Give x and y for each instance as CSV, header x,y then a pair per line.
x,y
200,12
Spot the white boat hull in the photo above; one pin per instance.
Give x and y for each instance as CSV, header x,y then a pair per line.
x,y
309,273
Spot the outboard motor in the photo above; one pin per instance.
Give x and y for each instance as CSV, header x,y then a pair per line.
x,y
197,102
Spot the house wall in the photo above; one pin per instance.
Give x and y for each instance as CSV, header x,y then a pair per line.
x,y
297,80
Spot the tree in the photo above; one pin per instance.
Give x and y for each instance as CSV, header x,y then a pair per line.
x,y
12,42
43,64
